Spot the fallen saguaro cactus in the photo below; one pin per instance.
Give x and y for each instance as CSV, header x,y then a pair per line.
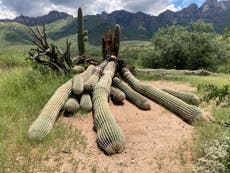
x,y
45,121
109,135
117,95
189,98
136,98
96,81
187,112
86,103
71,106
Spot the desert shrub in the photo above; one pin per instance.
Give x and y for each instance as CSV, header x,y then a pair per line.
x,y
193,47
216,156
220,95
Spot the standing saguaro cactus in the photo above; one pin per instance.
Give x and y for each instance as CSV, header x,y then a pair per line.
x,y
82,34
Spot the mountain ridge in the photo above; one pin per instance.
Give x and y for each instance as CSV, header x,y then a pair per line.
x,y
135,26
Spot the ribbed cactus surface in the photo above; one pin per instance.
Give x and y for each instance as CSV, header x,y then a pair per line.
x,y
109,135
81,45
188,112
136,98
117,95
45,121
91,82
72,105
79,79
86,102
78,84
189,98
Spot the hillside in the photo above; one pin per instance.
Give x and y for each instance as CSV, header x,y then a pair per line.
x,y
135,26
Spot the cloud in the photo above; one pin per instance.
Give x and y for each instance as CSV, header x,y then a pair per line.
x,y
12,8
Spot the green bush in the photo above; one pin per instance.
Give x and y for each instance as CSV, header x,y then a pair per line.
x,y
193,47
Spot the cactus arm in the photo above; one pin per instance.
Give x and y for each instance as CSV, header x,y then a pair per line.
x,y
136,98
109,135
79,79
93,79
42,126
187,112
71,106
189,98
80,36
86,102
117,95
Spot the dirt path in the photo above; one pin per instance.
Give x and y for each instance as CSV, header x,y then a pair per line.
x,y
156,141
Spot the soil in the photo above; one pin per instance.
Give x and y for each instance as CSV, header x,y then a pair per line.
x,y
157,141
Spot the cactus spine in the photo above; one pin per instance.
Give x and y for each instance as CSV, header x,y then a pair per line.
x,y
82,34
117,95
137,99
86,102
45,121
189,98
188,112
109,135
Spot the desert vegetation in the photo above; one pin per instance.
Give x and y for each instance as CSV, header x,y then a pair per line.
x,y
24,82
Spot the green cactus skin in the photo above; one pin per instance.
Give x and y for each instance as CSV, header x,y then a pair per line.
x,y
71,106
117,95
86,103
78,69
136,98
187,112
42,126
79,79
91,82
81,45
78,84
189,98
110,137
117,38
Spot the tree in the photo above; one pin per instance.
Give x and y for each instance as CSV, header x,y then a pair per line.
x,y
193,47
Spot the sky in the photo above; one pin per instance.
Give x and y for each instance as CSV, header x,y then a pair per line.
x,y
32,8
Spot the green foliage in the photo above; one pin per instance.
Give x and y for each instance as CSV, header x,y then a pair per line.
x,y
221,95
192,47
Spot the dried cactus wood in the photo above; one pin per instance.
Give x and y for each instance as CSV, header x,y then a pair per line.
x,y
45,121
189,98
71,106
86,102
137,99
79,79
187,112
117,95
110,137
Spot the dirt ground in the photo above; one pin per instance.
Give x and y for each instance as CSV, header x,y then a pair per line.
x,y
157,141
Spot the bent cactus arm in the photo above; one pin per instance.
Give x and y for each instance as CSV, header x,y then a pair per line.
x,y
109,135
187,112
137,99
189,98
86,102
71,106
117,95
42,126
